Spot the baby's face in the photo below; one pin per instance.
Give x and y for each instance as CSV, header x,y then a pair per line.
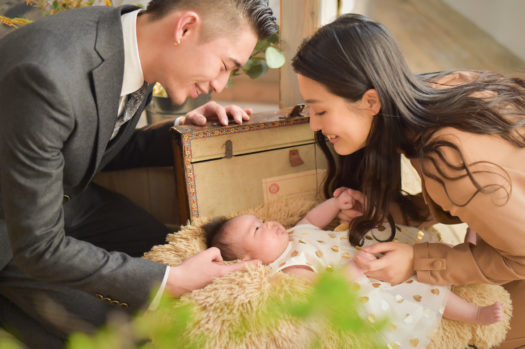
x,y
252,238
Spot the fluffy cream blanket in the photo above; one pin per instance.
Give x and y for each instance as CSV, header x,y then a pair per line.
x,y
237,297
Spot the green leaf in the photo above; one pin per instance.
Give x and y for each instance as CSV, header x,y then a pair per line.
x,y
81,341
273,39
261,46
274,58
8,342
256,69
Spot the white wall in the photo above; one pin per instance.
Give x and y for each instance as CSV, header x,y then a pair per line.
x,y
502,19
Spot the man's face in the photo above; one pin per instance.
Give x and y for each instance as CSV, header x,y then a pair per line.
x,y
253,238
204,66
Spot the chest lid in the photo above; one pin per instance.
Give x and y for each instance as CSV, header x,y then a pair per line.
x,y
264,131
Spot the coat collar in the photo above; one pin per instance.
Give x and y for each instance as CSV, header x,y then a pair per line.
x,y
107,77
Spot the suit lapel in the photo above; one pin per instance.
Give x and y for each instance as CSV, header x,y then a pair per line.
x,y
107,77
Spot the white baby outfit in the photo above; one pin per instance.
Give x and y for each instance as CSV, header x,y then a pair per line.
x,y
413,309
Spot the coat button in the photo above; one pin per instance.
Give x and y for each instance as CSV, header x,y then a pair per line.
x,y
437,264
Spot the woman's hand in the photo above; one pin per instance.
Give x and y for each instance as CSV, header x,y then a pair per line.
x,y
395,266
353,203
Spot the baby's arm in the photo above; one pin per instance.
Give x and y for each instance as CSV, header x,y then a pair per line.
x,y
322,214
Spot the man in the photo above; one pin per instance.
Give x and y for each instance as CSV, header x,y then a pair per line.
x,y
69,250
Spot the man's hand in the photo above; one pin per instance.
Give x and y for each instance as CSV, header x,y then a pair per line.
x,y
353,203
394,267
213,111
199,270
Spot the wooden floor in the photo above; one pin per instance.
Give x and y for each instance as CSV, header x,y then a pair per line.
x,y
435,37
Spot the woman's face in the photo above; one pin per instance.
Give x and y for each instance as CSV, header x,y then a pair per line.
x,y
346,124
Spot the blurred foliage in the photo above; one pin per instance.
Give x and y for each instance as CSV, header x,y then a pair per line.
x,y
331,303
55,6
48,8
14,22
8,342
265,55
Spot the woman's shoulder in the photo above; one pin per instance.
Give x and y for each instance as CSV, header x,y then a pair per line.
x,y
488,155
476,147
491,162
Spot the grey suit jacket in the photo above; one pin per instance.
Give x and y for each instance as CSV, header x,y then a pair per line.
x,y
60,83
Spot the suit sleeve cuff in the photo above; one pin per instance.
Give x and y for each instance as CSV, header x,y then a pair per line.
x,y
156,300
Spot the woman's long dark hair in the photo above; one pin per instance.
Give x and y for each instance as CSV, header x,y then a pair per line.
x,y
354,54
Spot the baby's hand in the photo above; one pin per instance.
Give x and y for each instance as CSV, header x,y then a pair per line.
x,y
365,256
344,200
353,271
350,203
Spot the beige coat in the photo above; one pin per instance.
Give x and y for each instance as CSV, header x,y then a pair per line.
x,y
498,217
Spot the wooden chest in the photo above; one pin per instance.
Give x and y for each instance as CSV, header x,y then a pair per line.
x,y
223,169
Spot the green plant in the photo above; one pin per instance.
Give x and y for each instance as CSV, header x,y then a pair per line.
x,y
8,342
265,55
14,22
55,6
331,303
48,8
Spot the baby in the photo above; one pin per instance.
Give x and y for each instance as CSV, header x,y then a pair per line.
x,y
414,308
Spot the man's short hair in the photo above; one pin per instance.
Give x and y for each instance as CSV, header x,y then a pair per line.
x,y
223,14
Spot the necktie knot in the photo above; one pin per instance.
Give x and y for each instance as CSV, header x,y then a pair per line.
x,y
139,95
131,107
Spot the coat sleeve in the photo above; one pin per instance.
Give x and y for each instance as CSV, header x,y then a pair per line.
x,y
36,122
149,146
494,209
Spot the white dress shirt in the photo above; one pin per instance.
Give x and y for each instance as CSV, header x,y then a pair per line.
x,y
133,80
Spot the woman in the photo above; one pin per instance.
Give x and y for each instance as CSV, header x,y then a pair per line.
x,y
463,132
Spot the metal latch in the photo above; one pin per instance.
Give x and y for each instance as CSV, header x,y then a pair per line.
x,y
229,149
295,158
297,110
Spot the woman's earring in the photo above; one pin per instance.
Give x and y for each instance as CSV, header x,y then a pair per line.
x,y
176,43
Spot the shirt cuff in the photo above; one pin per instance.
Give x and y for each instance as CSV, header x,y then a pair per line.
x,y
177,121
156,300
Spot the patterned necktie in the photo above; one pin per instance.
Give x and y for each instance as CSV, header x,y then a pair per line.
x,y
135,99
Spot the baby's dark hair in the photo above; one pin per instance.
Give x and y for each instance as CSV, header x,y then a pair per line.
x,y
215,234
